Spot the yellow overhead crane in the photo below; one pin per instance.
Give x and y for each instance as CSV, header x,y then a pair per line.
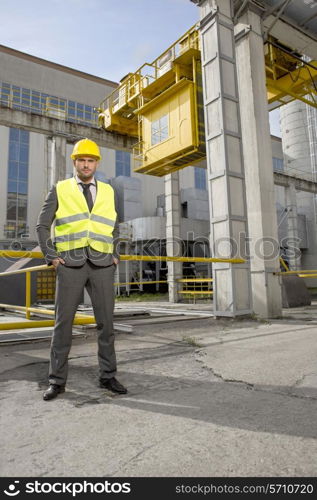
x,y
161,104
289,76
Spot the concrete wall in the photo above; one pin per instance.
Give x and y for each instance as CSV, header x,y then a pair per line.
x,y
187,177
151,188
277,150
33,73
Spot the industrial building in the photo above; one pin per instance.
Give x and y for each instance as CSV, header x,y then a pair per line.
x,y
46,107
32,85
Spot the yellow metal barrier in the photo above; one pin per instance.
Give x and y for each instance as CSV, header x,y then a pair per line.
x,y
140,282
195,280
178,259
302,273
28,294
78,320
308,272
282,261
84,319
149,258
17,325
27,307
25,254
194,292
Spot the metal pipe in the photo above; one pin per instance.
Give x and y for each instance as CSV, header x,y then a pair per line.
x,y
300,271
18,325
309,18
139,283
179,259
282,261
38,310
39,255
194,280
273,9
27,269
27,294
278,15
21,254
241,8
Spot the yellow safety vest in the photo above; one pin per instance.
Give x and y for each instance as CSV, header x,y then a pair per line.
x,y
75,226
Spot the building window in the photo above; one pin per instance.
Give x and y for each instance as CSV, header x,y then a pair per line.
x,y
200,178
123,163
278,164
18,169
34,101
159,130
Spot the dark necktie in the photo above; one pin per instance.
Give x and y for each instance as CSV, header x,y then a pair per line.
x,y
87,194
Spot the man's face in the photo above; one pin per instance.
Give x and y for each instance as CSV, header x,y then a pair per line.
x,y
85,167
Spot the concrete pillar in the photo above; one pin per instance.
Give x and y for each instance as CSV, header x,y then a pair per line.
x,y
293,251
127,276
56,160
262,220
47,162
4,148
228,215
173,241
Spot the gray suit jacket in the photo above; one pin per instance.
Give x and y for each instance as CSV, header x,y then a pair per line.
x,y
73,258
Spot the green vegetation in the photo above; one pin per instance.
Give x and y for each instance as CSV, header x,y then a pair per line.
x,y
192,341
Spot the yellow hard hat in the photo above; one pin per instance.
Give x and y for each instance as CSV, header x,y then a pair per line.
x,y
86,147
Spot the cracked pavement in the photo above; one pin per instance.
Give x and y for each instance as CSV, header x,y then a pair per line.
x,y
206,398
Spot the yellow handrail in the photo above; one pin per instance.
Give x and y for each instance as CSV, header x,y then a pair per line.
x,y
140,282
195,280
26,269
300,271
165,258
21,254
83,319
282,261
149,258
28,294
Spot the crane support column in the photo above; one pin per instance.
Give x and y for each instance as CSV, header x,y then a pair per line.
x,y
226,184
173,241
262,218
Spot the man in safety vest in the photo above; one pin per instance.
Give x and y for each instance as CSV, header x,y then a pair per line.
x,y
84,256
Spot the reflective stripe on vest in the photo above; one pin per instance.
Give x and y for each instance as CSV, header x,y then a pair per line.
x,y
71,218
75,227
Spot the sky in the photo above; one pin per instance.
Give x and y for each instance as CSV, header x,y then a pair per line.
x,y
106,38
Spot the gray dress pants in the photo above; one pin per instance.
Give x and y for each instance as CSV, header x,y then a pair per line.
x,y
70,283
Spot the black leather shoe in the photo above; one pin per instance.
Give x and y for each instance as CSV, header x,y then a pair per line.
x,y
53,391
113,385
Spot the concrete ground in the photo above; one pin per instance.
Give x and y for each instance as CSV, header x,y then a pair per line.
x,y
206,397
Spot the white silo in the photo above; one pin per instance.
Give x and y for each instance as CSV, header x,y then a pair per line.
x,y
298,127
